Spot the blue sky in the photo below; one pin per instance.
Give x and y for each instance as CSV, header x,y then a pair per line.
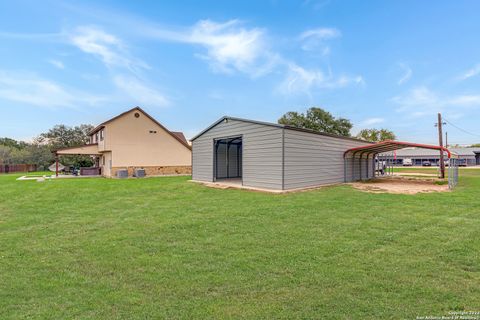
x,y
382,64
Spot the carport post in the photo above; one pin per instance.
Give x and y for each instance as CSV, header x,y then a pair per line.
x,y
229,141
353,166
238,160
391,164
367,164
360,165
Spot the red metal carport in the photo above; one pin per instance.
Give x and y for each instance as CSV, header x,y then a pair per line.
x,y
357,156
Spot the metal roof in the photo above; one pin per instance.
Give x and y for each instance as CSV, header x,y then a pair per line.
x,y
278,126
390,145
417,152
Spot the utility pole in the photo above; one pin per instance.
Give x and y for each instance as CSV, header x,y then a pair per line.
x,y
446,139
440,143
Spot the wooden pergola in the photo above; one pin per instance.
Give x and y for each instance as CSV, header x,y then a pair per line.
x,y
87,149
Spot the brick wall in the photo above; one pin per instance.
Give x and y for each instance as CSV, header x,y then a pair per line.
x,y
156,171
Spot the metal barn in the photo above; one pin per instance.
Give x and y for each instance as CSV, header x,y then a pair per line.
x,y
272,156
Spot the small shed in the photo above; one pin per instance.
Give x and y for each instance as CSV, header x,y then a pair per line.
x,y
271,156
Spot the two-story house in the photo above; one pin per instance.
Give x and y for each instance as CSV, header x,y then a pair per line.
x,y
134,140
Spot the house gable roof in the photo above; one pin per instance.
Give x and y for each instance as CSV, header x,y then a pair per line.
x,y
176,136
278,126
180,135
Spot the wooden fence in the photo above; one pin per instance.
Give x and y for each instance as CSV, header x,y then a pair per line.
x,y
11,168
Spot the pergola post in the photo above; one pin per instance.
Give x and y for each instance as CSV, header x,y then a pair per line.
x,y
56,164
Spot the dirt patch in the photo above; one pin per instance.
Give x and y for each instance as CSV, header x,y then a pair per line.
x,y
401,185
419,174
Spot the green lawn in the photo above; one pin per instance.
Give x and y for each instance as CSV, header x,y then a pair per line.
x,y
167,248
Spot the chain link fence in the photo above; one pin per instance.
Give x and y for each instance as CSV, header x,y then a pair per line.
x,y
452,172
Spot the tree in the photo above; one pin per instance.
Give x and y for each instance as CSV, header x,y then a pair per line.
x,y
318,120
39,152
376,135
385,134
62,136
20,152
40,155
5,154
12,143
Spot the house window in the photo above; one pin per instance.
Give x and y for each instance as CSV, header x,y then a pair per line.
x,y
103,160
101,135
96,137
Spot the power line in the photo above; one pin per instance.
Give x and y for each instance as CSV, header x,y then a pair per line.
x,y
463,130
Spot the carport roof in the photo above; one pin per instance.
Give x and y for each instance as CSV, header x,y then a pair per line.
x,y
390,145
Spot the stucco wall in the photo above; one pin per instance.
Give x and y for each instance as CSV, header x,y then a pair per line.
x,y
134,145
106,164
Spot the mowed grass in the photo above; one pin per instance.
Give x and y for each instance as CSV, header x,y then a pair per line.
x,y
168,248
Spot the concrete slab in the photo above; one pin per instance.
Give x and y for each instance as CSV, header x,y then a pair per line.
x,y
235,185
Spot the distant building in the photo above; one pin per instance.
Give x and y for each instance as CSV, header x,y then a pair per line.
x,y
467,156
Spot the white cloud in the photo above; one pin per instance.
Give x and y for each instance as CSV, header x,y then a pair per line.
x,y
465,100
420,96
232,47
113,53
407,74
229,46
300,80
107,47
315,39
321,33
32,90
57,63
371,121
216,95
470,73
422,101
139,92
316,5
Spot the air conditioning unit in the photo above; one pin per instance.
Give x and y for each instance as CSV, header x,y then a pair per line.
x,y
139,173
123,173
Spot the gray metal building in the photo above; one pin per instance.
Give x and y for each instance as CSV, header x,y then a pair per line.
x,y
270,156
466,156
